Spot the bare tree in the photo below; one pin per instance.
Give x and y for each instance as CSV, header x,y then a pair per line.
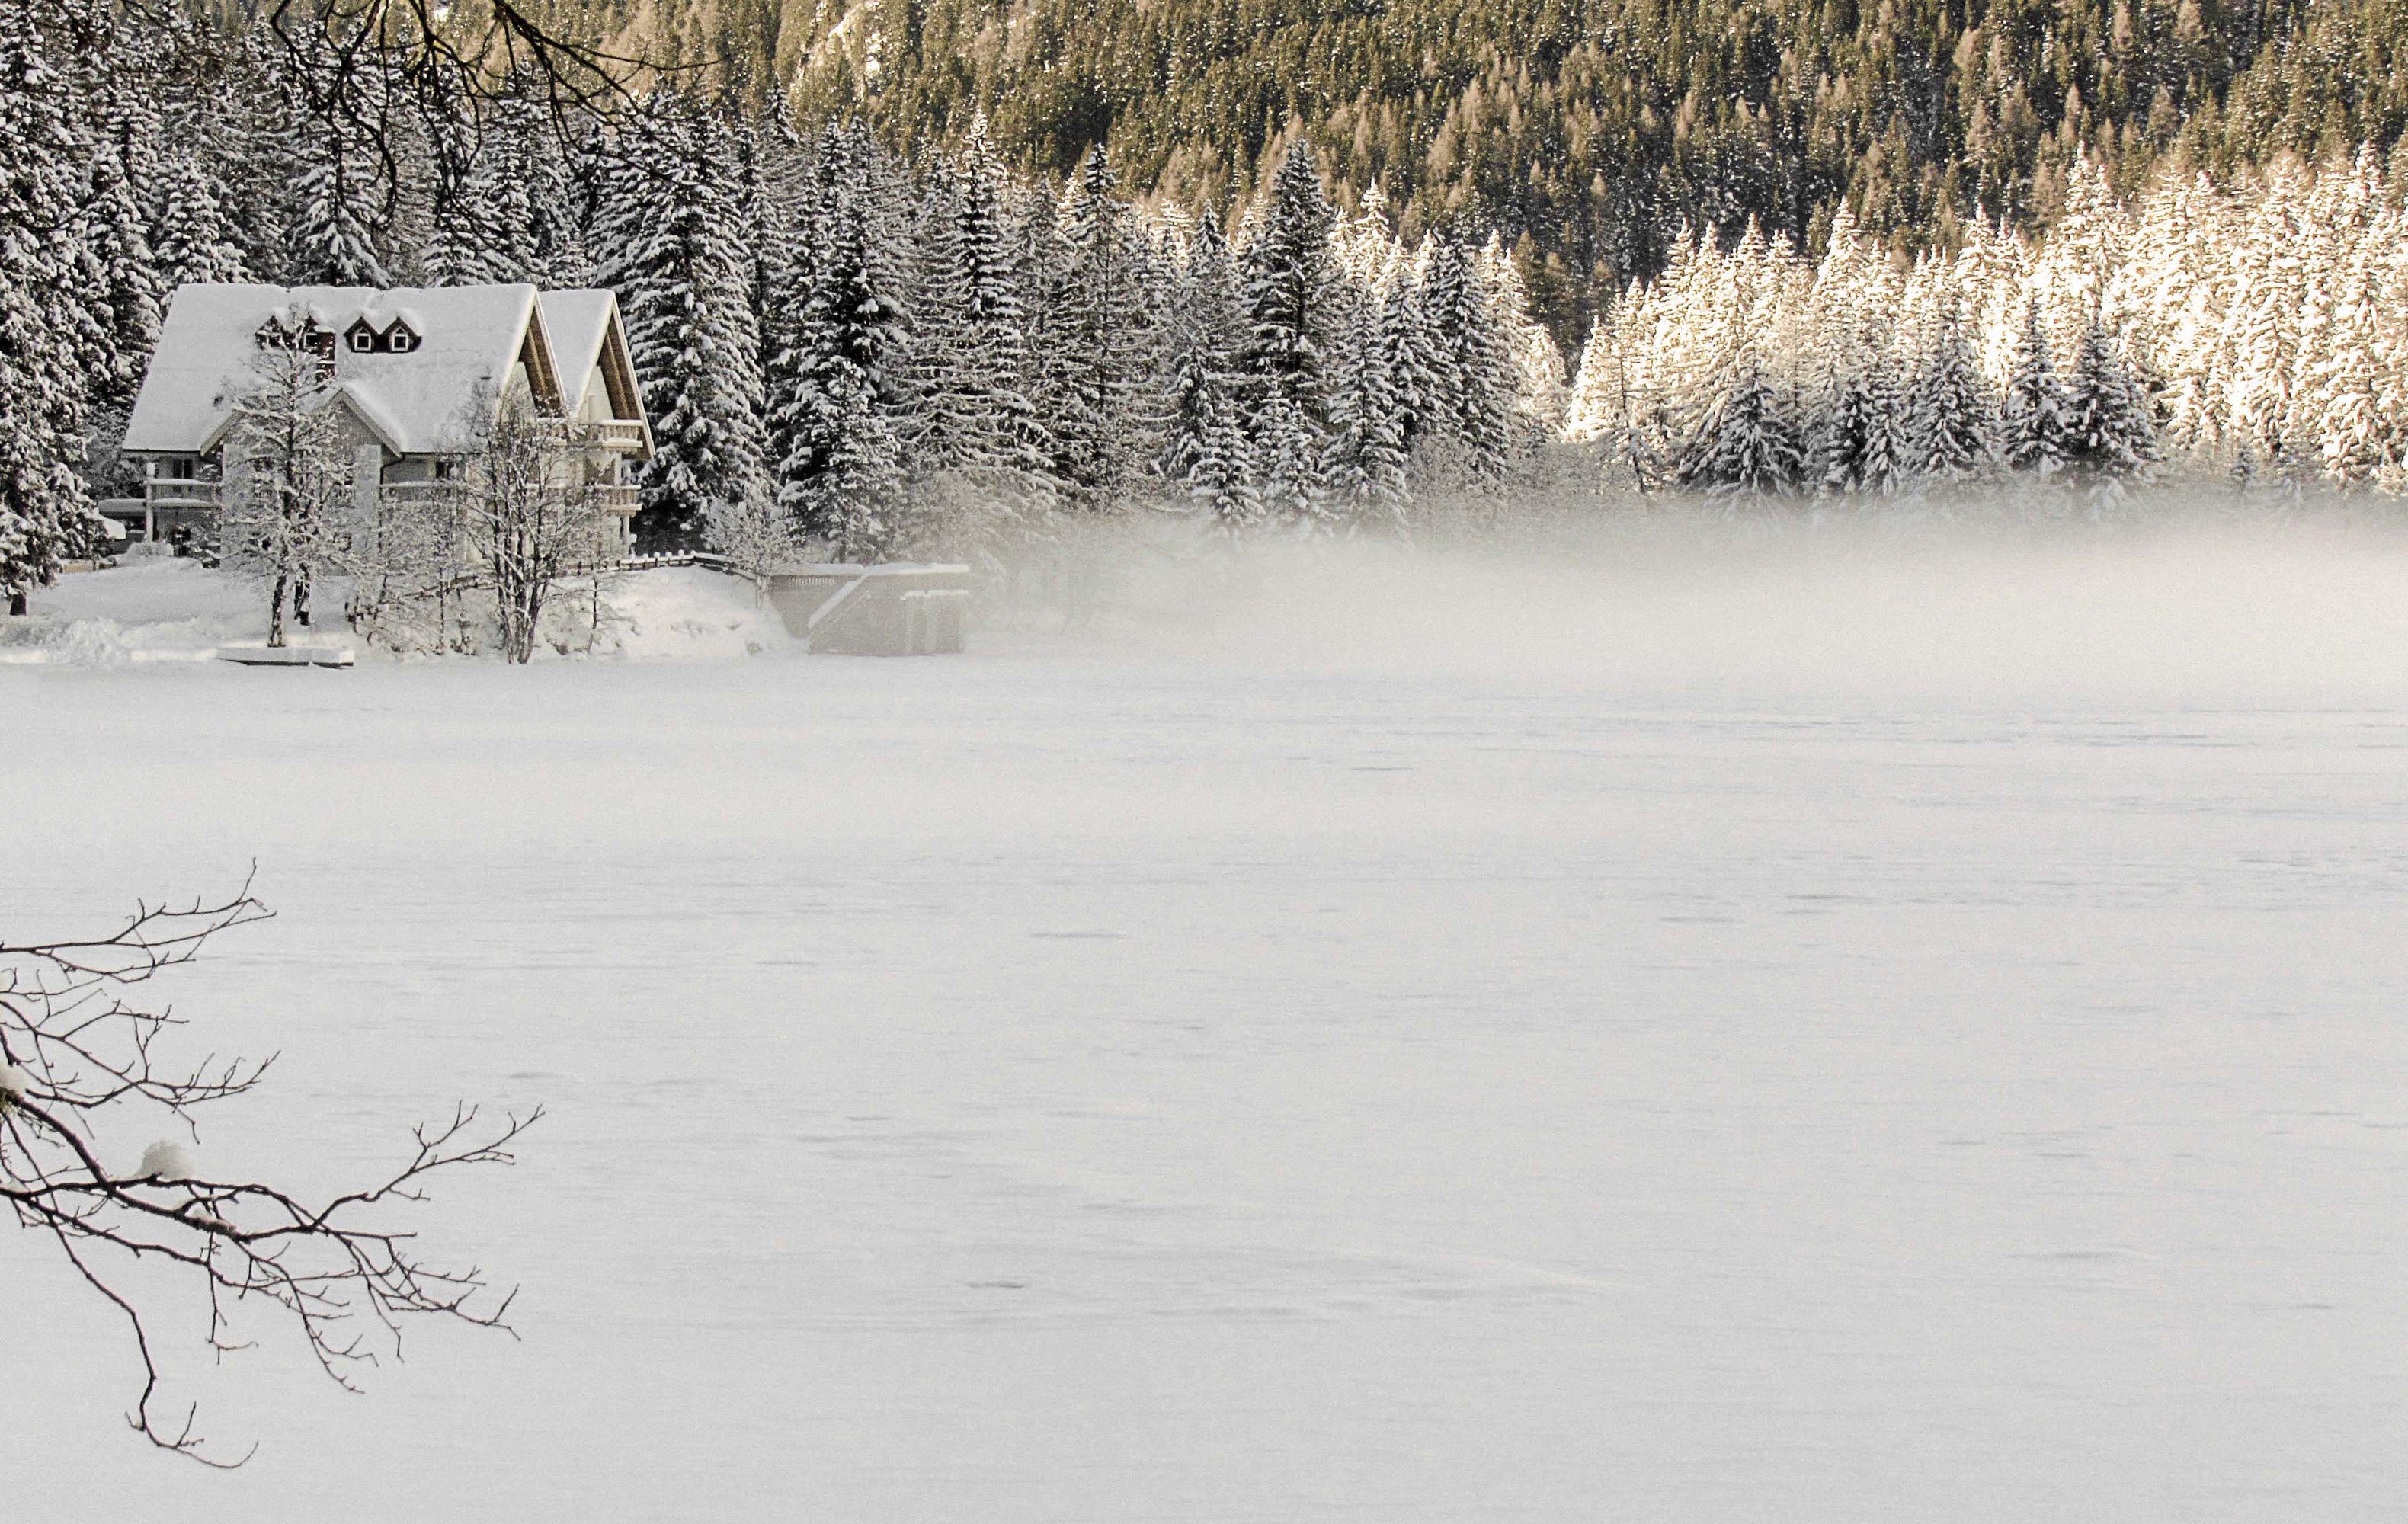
x,y
287,506
78,1066
534,519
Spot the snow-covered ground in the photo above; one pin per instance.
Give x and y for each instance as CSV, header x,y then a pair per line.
x,y
156,608
1813,1029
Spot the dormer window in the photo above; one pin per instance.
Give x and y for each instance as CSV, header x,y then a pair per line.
x,y
400,339
360,338
297,330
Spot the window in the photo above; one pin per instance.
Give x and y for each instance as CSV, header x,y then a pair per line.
x,y
400,338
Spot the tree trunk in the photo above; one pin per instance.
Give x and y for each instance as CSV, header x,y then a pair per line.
x,y
17,605
276,615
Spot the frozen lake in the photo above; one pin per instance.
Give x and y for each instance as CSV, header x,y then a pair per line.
x,y
1770,1041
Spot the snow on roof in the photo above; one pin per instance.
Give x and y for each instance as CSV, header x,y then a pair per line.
x,y
467,336
576,322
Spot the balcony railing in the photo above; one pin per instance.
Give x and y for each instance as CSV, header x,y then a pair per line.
x,y
419,493
177,491
616,434
180,492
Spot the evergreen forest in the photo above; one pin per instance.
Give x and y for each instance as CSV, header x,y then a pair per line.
x,y
1590,133
876,315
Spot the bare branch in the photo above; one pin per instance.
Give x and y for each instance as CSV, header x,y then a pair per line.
x,y
77,1062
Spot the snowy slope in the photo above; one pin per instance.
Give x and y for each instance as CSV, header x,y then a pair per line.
x,y
1759,1034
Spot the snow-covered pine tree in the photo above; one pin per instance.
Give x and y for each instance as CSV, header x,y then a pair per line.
x,y
976,417
472,241
1594,406
1700,345
2188,301
840,479
1409,356
855,501
246,133
1956,418
761,225
503,202
1287,273
1890,468
339,200
123,159
1288,452
1207,335
1541,398
547,241
1602,412
1363,463
1474,395
2079,270
626,168
334,238
2111,434
2361,439
696,353
47,330
1844,435
747,503
2260,336
1099,349
2035,427
195,243
790,273
1749,448
1222,481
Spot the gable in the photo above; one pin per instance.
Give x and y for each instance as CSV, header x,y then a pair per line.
x,y
590,343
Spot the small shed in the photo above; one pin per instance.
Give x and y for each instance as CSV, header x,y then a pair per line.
x,y
894,608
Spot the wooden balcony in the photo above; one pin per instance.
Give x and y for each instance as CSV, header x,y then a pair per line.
x,y
419,493
611,496
159,492
180,492
616,434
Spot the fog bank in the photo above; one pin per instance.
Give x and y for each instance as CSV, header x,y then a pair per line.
x,y
2189,609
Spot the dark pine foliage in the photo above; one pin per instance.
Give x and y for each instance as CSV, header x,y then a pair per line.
x,y
1588,132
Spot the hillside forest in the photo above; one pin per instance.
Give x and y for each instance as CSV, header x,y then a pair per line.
x,y
860,341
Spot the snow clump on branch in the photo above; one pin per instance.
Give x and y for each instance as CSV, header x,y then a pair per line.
x,y
165,1161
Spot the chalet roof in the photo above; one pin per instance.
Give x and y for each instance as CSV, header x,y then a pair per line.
x,y
467,336
577,321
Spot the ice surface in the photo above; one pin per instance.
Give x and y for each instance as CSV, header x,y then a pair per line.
x,y
1792,1031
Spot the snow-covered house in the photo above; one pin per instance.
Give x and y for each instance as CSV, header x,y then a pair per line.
x,y
411,369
